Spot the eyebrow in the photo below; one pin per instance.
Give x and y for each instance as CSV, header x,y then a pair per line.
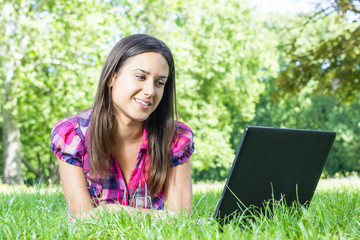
x,y
146,72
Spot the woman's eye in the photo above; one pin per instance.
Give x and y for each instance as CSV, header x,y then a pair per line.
x,y
160,83
141,77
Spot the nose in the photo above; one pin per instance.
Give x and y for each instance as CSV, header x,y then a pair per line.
x,y
149,89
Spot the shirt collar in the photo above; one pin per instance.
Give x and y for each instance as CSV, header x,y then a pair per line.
x,y
144,142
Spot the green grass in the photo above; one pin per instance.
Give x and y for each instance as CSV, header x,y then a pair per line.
x,y
41,213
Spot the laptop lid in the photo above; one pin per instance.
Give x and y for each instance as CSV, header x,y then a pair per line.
x,y
274,163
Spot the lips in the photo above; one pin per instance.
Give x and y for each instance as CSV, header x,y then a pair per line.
x,y
144,103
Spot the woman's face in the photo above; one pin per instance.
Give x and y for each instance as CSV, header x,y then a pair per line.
x,y
139,86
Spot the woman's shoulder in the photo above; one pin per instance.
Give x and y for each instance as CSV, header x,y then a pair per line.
x,y
182,145
183,133
80,120
182,127
68,136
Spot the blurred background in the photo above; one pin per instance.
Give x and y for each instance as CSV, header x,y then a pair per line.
x,y
292,64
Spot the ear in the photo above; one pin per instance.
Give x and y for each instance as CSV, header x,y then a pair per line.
x,y
112,81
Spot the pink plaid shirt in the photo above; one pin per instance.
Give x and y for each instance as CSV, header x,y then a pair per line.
x,y
69,143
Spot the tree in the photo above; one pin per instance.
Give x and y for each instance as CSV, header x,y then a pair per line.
x,y
57,48
332,60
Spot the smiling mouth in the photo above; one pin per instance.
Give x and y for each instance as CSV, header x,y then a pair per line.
x,y
142,102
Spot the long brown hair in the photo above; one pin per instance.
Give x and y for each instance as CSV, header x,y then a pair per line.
x,y
160,125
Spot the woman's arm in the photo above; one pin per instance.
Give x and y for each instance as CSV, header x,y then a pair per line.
x,y
78,197
75,187
178,188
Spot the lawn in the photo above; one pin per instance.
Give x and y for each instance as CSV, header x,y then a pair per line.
x,y
41,213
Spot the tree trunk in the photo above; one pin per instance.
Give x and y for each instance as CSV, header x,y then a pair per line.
x,y
12,172
54,170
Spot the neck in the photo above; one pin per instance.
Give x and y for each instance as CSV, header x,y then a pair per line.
x,y
128,133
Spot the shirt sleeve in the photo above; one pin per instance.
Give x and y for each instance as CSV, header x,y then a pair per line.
x,y
66,143
182,145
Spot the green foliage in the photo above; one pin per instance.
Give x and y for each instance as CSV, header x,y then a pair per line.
x,y
325,50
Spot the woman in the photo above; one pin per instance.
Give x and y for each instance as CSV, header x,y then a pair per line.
x,y
127,152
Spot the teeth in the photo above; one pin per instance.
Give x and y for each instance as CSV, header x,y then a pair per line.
x,y
143,103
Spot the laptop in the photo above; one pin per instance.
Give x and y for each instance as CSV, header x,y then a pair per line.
x,y
274,164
